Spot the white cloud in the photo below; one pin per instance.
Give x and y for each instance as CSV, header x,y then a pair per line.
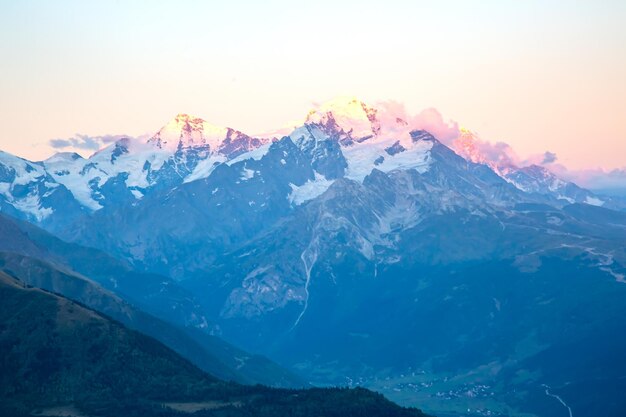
x,y
84,142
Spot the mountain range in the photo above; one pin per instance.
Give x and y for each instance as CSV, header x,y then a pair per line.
x,y
359,249
343,138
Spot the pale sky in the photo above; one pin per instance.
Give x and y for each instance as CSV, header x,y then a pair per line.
x,y
540,75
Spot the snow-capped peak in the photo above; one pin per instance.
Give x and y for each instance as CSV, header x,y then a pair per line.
x,y
369,137
63,157
499,156
530,178
348,114
185,131
467,146
352,120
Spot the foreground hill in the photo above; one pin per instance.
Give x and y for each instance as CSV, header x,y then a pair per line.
x,y
82,274
57,355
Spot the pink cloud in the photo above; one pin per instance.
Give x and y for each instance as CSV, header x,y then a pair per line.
x,y
431,120
497,155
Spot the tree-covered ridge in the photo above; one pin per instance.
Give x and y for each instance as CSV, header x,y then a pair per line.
x,y
55,352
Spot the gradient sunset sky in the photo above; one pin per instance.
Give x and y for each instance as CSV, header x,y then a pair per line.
x,y
540,75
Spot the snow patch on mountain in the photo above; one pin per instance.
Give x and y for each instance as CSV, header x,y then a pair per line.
x,y
256,154
363,157
32,204
594,201
247,174
308,135
205,167
309,190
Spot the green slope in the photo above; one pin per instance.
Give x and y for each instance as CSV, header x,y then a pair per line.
x,y
79,273
57,353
